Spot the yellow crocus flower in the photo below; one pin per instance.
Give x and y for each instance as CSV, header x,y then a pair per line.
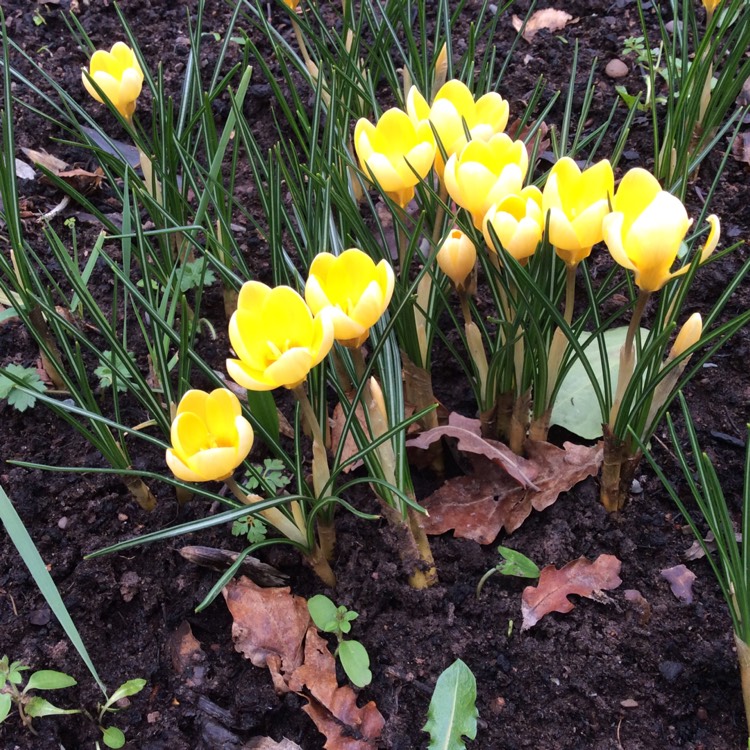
x,y
118,74
577,202
210,437
482,174
457,257
646,228
395,153
518,222
276,338
354,290
453,111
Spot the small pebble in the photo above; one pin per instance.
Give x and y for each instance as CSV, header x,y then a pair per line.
x,y
636,488
40,616
63,523
616,68
629,703
122,517
671,670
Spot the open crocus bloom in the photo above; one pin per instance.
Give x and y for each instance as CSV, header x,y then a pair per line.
x,y
276,338
118,74
453,110
577,202
210,437
646,228
484,173
353,289
457,257
518,223
396,153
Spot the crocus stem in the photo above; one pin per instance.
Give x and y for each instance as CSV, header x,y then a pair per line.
x,y
358,359
570,291
321,472
273,515
627,356
402,238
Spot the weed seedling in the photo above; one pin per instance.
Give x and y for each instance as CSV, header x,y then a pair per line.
x,y
512,563
338,620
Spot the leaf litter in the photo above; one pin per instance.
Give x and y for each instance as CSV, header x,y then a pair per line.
x,y
272,628
581,577
503,489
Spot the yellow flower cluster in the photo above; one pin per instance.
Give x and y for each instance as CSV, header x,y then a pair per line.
x,y
483,171
278,338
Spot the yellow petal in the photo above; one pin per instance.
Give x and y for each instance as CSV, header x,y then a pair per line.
x,y
189,434
416,105
322,337
214,463
108,85
612,229
286,319
247,377
315,295
290,368
222,408
588,224
194,401
180,469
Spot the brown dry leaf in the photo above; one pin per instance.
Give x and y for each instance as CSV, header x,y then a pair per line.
x,y
741,147
269,627
479,505
48,161
680,581
187,655
470,441
83,180
581,577
334,709
549,19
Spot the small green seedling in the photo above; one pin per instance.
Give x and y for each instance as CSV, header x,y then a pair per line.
x,y
13,691
513,563
253,529
338,620
10,389
112,736
272,473
452,714
195,275
112,371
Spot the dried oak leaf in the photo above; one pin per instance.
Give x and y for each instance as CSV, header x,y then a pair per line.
x,y
680,581
549,19
582,577
334,709
269,627
478,506
266,743
741,147
470,441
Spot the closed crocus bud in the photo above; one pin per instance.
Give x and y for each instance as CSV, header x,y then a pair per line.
x,y
577,202
711,6
276,338
291,4
210,437
689,335
457,257
483,174
118,74
646,228
395,153
353,289
518,223
453,111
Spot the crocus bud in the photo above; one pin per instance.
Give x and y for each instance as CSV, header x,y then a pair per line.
x,y
689,334
378,399
456,258
118,74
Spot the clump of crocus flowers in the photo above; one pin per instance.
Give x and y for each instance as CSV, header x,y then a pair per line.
x,y
484,172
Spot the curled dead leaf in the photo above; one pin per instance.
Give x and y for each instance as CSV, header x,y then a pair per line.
x,y
269,627
479,505
548,18
581,577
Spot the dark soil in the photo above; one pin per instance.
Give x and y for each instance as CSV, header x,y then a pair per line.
x,y
560,685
